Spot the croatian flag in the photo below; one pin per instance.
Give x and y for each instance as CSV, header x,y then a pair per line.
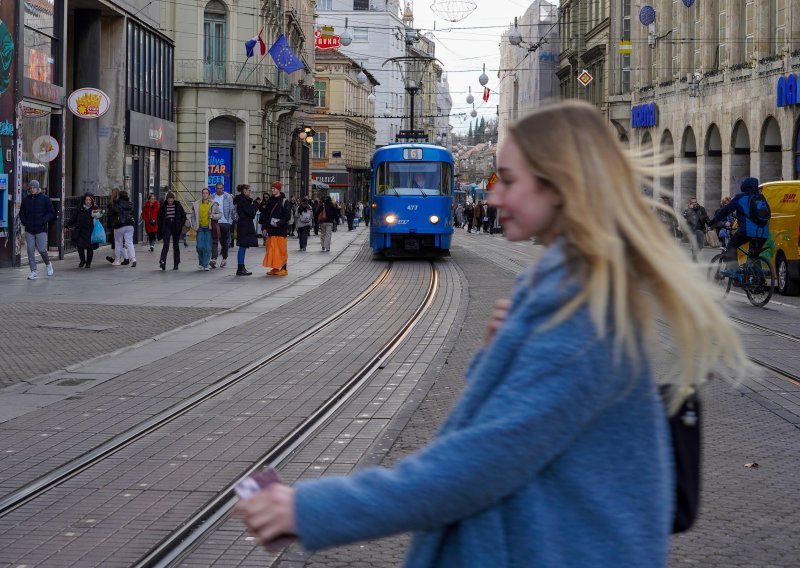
x,y
250,44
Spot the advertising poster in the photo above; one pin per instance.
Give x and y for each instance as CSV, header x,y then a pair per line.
x,y
220,167
7,129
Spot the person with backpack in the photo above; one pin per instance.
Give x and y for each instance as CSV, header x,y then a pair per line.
x,y
326,217
557,451
121,211
305,218
752,217
276,213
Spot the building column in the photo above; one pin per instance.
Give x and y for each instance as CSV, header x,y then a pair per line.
x,y
86,146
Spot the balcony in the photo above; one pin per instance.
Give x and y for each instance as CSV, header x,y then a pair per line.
x,y
262,76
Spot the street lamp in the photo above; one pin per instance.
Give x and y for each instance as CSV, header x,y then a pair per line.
x,y
412,69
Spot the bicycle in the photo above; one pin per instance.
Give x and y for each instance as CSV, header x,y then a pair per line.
x,y
755,276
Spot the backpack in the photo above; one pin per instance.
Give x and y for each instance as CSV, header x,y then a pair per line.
x,y
322,217
758,209
305,218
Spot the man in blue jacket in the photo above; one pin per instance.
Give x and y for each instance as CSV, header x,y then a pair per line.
x,y
748,229
35,213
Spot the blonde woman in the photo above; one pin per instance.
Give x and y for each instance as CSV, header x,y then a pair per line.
x,y
204,210
557,453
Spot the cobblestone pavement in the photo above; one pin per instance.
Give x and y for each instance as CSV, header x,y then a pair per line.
x,y
41,338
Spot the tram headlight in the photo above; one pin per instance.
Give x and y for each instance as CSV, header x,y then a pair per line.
x,y
434,219
390,219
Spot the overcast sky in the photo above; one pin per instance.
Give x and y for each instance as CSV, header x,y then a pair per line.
x,y
464,51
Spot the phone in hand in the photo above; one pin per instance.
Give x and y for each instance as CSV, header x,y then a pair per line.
x,y
252,484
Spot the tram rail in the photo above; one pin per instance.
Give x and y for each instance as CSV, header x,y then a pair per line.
x,y
70,469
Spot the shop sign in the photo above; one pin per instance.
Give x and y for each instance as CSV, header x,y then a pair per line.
x,y
220,167
151,132
324,38
88,103
340,179
43,91
644,116
786,91
45,148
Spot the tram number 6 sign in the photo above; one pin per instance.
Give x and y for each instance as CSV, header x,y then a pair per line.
x,y
585,78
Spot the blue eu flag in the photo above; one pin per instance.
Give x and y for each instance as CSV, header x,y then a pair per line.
x,y
284,57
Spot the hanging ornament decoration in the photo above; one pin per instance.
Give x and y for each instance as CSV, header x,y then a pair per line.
x,y
470,98
453,10
647,15
688,3
473,113
484,78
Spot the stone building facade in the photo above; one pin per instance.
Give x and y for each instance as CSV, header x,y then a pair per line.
x,y
344,125
713,88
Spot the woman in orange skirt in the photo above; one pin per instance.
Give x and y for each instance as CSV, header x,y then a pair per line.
x,y
275,214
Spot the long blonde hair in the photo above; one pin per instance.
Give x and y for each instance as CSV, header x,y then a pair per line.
x,y
629,267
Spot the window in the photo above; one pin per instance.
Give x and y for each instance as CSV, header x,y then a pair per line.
x,y
324,5
749,29
674,44
321,93
41,42
698,30
360,34
626,36
214,21
419,178
150,73
319,148
780,24
722,57
360,4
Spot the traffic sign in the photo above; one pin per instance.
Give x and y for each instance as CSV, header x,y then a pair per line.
x,y
585,78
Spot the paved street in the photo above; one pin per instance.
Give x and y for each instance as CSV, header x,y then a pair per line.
x,y
112,513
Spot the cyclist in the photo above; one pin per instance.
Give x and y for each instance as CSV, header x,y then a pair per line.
x,y
749,229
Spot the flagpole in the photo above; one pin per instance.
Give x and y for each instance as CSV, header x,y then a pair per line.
x,y
259,63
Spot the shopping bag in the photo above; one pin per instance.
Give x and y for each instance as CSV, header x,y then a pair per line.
x,y
98,233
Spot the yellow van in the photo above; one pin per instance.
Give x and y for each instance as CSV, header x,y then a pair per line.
x,y
784,230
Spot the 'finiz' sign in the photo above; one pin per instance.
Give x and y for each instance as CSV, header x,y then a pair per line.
x,y
644,116
787,91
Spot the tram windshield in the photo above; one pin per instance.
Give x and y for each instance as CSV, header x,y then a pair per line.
x,y
420,178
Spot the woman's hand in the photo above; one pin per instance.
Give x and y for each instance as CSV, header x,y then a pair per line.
x,y
269,513
498,317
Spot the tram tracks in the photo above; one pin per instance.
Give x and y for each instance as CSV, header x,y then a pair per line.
x,y
788,376
193,530
68,470
191,534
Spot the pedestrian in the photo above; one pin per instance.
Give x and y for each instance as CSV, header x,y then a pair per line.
x,y
293,206
350,215
277,211
360,210
724,227
204,210
113,222
35,213
304,221
469,213
150,218
326,218
121,210
316,207
557,452
221,233
263,216
171,221
246,235
460,215
697,219
667,216
82,225
491,216
367,212
337,215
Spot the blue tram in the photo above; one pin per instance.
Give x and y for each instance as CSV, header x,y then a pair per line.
x,y
411,196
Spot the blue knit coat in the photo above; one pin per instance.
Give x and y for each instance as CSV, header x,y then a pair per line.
x,y
554,456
